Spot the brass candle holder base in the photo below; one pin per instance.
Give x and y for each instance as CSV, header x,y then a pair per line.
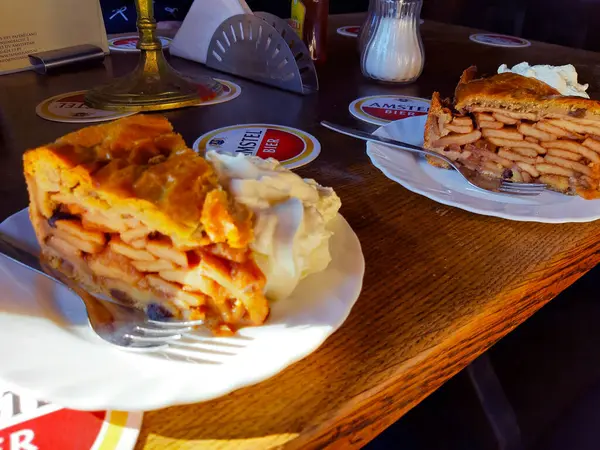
x,y
154,85
152,89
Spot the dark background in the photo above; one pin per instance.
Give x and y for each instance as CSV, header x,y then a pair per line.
x,y
573,23
177,10
283,7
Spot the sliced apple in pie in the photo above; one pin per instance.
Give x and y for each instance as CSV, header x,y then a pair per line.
x,y
520,129
127,210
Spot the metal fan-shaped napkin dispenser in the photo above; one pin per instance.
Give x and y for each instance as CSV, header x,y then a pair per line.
x,y
264,48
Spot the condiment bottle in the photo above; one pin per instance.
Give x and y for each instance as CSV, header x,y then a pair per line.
x,y
394,51
309,18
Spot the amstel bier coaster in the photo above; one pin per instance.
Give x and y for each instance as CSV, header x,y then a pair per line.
x,y
290,146
383,109
230,91
28,424
128,43
499,40
350,31
69,107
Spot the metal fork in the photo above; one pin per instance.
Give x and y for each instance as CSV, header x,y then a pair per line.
x,y
473,177
124,326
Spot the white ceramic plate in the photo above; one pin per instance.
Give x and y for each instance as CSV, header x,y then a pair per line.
x,y
48,351
449,188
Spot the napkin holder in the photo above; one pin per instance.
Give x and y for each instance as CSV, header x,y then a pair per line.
x,y
263,48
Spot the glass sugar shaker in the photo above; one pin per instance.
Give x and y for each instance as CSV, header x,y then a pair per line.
x,y
394,50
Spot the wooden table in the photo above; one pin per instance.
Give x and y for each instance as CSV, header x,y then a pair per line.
x,y
441,286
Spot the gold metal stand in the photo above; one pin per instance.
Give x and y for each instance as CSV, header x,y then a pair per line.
x,y
154,85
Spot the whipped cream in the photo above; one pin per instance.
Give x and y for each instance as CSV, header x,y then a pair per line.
x,y
561,78
291,235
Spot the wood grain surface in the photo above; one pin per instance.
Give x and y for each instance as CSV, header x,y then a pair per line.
x,y
442,285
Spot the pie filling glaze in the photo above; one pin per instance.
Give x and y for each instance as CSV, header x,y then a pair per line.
x,y
520,129
128,211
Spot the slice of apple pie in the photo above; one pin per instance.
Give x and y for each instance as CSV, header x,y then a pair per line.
x,y
521,129
127,210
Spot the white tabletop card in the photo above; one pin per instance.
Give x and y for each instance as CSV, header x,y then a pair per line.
x,y
32,26
202,20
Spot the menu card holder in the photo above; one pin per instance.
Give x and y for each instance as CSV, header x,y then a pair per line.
x,y
264,48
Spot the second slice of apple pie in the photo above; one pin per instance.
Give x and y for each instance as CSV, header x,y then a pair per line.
x,y
520,129
129,211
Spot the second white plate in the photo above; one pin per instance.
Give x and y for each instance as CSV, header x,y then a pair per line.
x,y
448,187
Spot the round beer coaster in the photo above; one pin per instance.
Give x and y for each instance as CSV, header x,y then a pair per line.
x,y
383,109
499,40
230,91
27,423
128,43
354,30
350,31
69,107
290,146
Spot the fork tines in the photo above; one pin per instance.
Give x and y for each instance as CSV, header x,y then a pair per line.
x,y
159,332
522,188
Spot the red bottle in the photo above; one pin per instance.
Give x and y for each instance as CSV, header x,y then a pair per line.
x,y
309,18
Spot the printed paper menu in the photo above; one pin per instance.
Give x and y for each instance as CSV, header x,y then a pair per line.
x,y
31,26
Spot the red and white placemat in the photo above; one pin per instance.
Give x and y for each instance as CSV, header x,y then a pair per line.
x,y
290,146
499,40
383,109
29,424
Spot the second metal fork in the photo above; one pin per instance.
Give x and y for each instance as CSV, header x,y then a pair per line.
x,y
473,177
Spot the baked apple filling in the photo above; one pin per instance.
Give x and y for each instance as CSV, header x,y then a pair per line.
x,y
143,220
